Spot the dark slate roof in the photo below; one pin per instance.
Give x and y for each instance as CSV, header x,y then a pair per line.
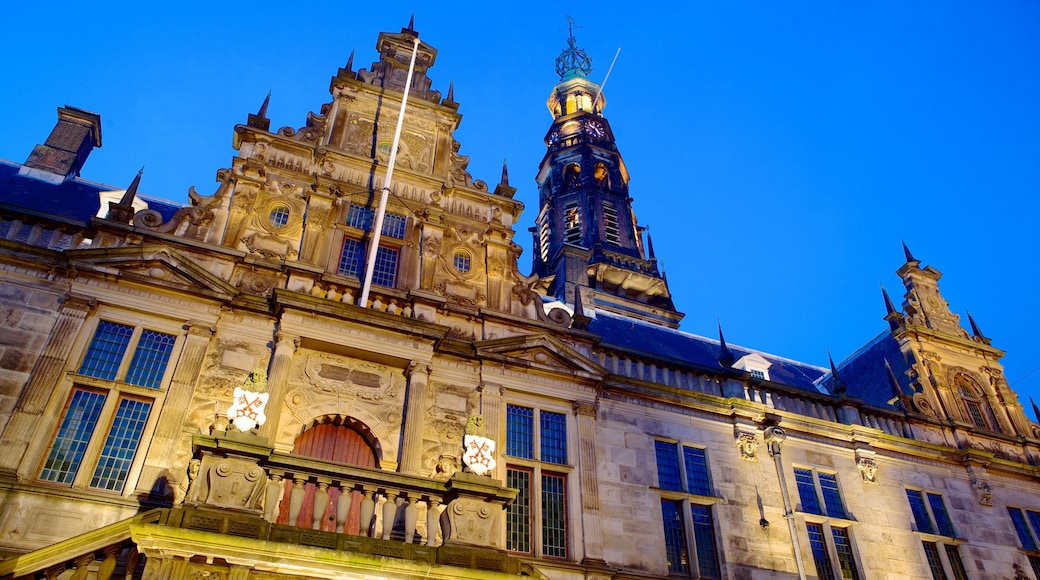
x,y
865,375
681,347
76,199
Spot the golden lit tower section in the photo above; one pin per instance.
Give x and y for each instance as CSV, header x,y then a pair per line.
x,y
586,236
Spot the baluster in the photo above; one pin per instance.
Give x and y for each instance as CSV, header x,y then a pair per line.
x,y
108,566
321,504
81,566
411,515
296,499
342,507
133,557
368,507
389,513
273,498
433,522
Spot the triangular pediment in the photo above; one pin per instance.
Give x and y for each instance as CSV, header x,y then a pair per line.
x,y
155,265
540,351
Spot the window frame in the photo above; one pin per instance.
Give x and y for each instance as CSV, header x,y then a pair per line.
x,y
356,228
943,544
820,497
687,501
1031,528
114,391
831,526
539,469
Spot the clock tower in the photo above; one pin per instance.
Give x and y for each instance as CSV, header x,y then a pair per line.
x,y
586,237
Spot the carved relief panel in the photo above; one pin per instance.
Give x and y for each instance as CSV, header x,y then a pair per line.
x,y
322,383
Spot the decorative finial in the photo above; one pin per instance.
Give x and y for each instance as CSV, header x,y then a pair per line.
x,y
503,188
350,61
975,332
726,358
131,192
411,23
573,61
451,92
650,245
262,113
260,120
837,385
123,210
891,314
909,257
1036,410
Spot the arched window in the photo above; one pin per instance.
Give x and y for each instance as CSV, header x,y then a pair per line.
x,y
976,407
339,439
602,175
572,176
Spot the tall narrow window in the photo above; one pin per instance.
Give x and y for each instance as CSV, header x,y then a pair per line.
x,y
572,223
821,557
536,455
674,537
686,510
611,229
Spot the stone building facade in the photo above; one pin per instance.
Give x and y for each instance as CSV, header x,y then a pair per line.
x,y
197,392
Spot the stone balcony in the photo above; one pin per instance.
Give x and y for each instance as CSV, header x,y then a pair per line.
x,y
237,512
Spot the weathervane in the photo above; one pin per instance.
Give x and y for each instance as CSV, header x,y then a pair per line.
x,y
573,61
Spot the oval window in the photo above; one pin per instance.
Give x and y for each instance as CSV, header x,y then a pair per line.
x,y
279,216
461,262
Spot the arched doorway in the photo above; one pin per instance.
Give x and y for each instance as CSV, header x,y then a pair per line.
x,y
339,439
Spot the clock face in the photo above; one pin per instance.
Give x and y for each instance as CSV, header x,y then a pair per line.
x,y
595,129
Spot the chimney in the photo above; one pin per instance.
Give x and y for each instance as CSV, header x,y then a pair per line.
x,y
58,160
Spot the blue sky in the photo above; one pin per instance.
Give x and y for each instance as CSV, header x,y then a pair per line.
x,y
779,152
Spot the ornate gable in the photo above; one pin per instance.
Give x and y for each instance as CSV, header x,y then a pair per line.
x,y
540,351
153,265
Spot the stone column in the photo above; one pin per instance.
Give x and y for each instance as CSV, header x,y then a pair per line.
x,y
592,531
175,409
418,374
285,347
42,380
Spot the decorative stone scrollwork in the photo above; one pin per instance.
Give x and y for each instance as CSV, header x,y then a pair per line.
x,y
747,443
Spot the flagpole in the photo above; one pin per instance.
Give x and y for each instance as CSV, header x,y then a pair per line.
x,y
600,91
377,227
